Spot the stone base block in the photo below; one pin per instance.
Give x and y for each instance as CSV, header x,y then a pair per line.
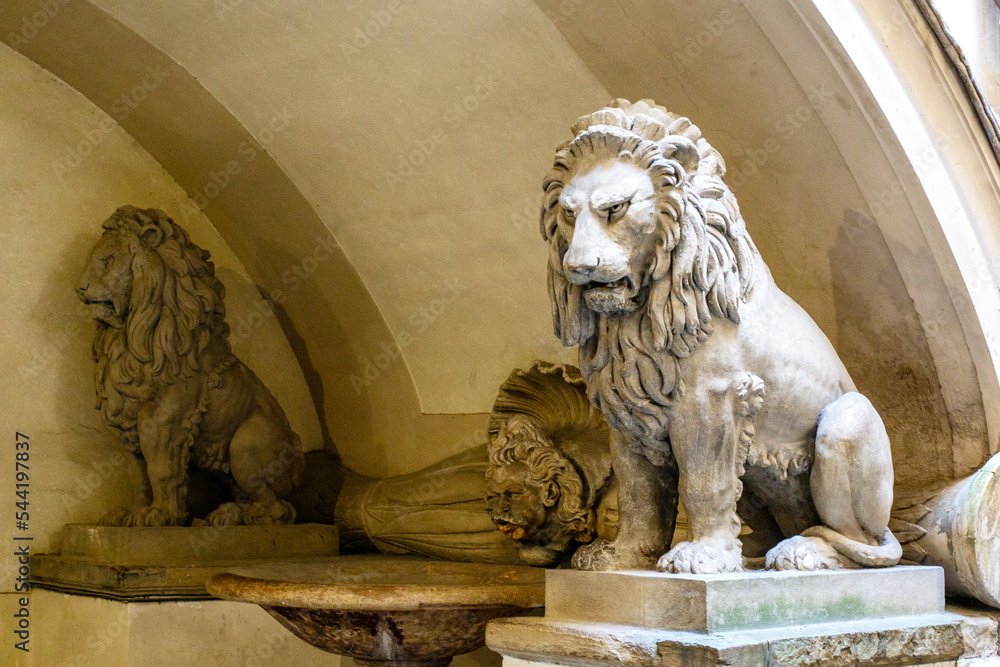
x,y
891,616
748,600
919,640
173,563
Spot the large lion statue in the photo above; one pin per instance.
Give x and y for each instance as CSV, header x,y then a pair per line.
x,y
718,387
167,379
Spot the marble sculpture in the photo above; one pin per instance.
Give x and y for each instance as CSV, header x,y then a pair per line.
x,y
720,390
169,383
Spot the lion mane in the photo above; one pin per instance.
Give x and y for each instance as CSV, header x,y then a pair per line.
x,y
703,267
176,309
518,440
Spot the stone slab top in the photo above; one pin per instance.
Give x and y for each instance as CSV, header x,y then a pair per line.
x,y
743,600
196,545
380,583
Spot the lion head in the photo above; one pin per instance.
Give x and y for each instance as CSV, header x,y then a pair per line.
x,y
646,247
158,307
534,494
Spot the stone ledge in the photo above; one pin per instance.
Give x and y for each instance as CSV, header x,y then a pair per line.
x,y
196,545
924,639
561,643
135,583
156,564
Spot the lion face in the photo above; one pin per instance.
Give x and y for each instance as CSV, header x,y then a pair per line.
x,y
106,283
609,214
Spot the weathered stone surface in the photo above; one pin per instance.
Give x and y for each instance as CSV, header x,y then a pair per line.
x,y
955,527
741,601
170,563
168,383
428,636
719,389
407,611
381,582
917,644
891,616
547,641
550,464
979,631
898,641
171,545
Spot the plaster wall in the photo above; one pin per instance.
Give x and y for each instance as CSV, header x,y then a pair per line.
x,y
432,190
465,214
438,268
65,166
80,631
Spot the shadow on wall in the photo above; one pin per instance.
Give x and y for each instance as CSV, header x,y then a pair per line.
x,y
883,345
300,283
314,381
97,473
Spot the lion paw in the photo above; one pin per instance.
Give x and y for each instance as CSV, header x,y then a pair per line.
x,y
602,556
701,558
142,516
805,553
252,514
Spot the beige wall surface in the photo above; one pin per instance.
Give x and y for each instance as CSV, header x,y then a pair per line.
x,y
65,166
79,631
446,266
397,153
421,146
448,249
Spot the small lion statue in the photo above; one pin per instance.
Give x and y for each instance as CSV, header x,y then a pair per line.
x,y
167,379
718,387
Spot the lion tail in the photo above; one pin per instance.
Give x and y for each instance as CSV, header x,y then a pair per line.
x,y
885,554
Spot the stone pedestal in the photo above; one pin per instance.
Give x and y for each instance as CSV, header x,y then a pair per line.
x,y
171,563
892,616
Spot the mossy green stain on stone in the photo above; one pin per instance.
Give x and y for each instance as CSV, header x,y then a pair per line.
x,y
792,609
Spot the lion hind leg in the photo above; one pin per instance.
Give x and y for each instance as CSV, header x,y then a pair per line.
x,y
885,554
265,461
851,484
254,513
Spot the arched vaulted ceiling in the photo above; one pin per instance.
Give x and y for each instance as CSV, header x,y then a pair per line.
x,y
376,167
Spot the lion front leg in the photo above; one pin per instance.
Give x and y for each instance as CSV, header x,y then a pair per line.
x,y
705,436
163,436
647,507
